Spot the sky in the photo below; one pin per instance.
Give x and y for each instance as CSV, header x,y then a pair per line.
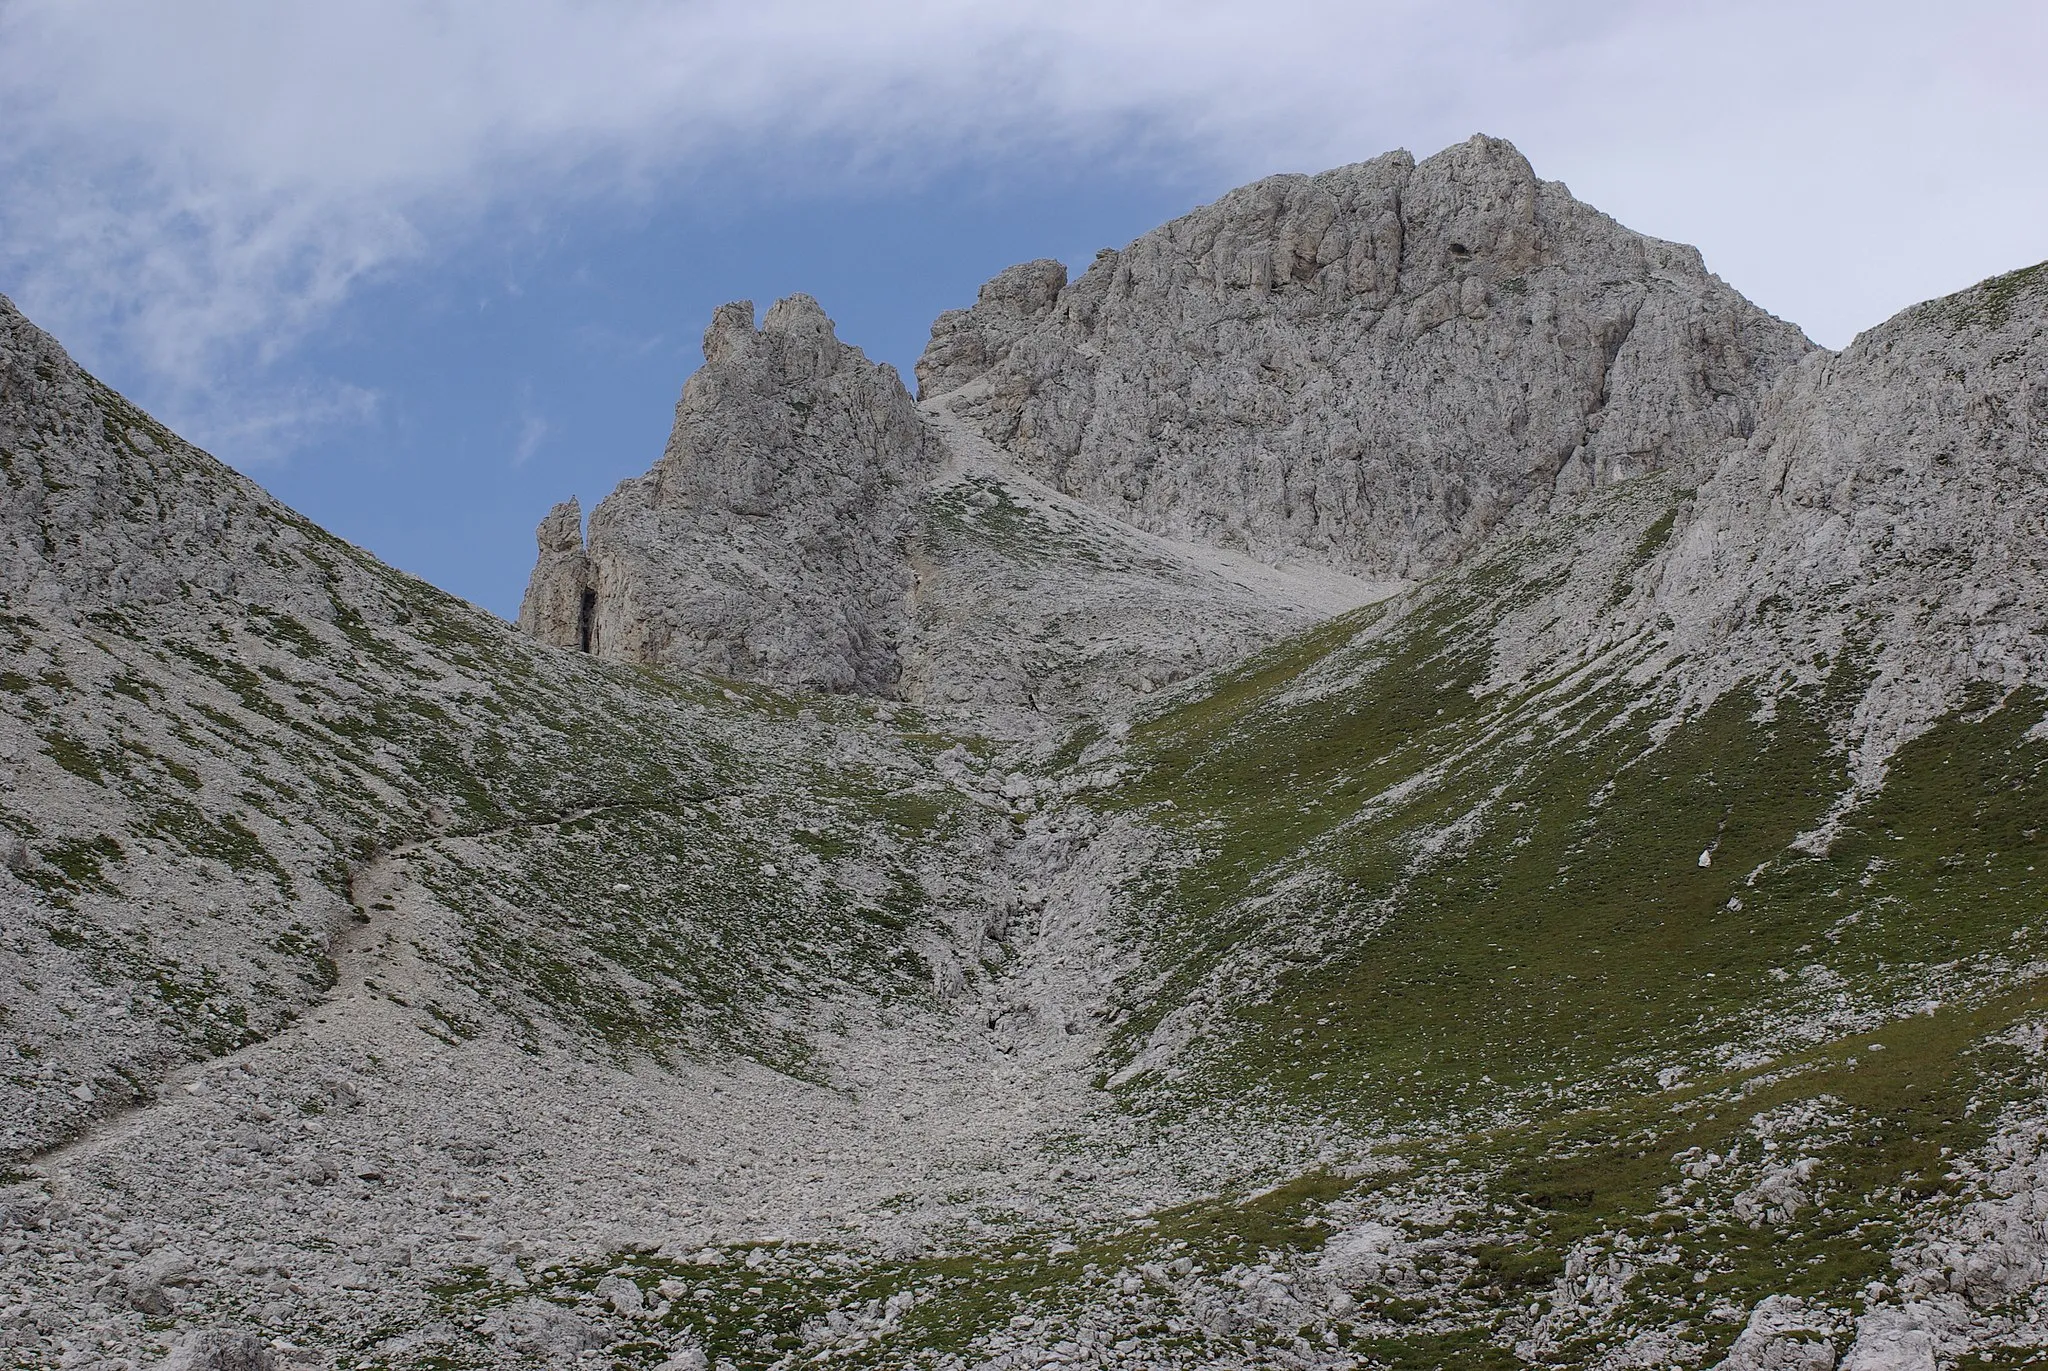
x,y
425,268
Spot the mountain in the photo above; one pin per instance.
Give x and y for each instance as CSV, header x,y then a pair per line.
x,y
1310,393
808,527
1393,776
1375,367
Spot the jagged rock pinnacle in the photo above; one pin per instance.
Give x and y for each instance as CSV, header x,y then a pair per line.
x,y
768,541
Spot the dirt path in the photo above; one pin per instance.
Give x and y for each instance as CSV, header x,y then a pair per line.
x,y
368,934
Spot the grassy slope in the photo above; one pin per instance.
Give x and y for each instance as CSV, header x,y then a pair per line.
x,y
235,765
1488,927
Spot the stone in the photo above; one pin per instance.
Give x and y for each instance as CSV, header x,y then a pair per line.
x,y
623,1295
1779,1194
1367,372
1373,368
809,526
1884,499
539,1329
319,1169
768,542
105,506
150,1297
217,1349
560,604
1784,1334
1891,1340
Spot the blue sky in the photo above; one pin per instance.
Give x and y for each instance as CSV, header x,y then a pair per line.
x,y
425,267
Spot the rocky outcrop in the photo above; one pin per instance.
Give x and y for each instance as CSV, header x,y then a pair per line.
x,y
966,342
1784,1334
561,597
1891,505
809,527
100,505
768,542
1371,368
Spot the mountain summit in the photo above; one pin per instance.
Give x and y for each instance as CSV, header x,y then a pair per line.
x,y
1367,373
1392,776
1374,368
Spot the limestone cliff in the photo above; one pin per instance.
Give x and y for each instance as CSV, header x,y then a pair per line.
x,y
1372,368
768,541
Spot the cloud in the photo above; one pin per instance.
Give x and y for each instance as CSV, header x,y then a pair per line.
x,y
533,431
261,419
196,186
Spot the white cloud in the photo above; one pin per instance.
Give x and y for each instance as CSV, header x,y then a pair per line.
x,y
255,419
200,184
533,431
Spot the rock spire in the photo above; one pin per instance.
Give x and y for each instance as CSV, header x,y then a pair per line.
x,y
768,541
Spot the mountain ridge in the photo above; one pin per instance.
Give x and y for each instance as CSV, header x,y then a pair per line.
x,y
1077,943
1459,295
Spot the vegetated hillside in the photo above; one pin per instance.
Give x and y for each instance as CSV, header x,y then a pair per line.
x,y
1618,951
1694,955
202,777
1652,1049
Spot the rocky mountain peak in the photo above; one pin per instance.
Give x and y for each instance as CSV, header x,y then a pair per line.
x,y
795,340
1364,372
1251,375
767,541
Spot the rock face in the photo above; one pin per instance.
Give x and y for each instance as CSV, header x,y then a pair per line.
x,y
967,342
768,541
1891,503
561,596
1882,527
1371,368
100,504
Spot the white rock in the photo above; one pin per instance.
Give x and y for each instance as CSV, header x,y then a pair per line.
x,y
215,1349
1784,1334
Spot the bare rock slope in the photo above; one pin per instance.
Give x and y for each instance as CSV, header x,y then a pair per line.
x,y
1371,368
768,541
